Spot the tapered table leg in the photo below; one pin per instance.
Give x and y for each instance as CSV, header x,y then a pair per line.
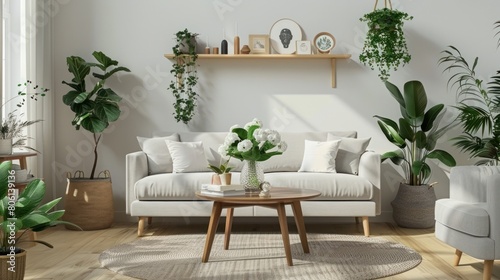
x,y
301,228
229,224
284,232
212,228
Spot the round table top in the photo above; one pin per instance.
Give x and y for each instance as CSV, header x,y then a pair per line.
x,y
278,195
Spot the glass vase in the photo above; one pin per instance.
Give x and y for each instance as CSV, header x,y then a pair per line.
x,y
251,176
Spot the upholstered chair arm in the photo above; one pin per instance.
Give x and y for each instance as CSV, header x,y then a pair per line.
x,y
369,168
468,183
136,165
493,208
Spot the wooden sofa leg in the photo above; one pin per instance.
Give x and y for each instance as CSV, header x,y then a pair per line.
x,y
366,226
140,226
150,220
458,255
488,269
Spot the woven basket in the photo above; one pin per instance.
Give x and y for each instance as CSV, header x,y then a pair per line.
x,y
414,206
20,266
89,203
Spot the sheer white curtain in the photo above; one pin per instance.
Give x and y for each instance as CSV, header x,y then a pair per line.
x,y
27,54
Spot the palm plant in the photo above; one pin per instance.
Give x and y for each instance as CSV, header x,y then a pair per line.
x,y
417,133
478,106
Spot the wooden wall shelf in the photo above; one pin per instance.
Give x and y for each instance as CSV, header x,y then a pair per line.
x,y
332,57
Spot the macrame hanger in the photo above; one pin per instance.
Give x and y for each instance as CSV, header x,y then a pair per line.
x,y
385,4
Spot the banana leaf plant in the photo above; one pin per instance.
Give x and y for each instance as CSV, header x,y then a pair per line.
x,y
415,134
95,108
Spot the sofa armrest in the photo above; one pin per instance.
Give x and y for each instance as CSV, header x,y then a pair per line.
x,y
369,168
136,165
493,208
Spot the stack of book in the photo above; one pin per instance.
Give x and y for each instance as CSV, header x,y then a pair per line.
x,y
222,190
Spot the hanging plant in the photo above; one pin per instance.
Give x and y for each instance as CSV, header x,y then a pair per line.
x,y
184,69
385,44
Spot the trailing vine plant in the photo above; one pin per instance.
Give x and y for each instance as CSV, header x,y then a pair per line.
x,y
184,69
385,44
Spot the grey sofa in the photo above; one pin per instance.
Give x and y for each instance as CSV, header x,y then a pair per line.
x,y
153,190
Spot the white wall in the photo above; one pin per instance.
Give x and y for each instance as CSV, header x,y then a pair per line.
x,y
285,95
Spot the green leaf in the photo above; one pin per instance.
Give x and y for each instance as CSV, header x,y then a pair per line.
x,y
4,177
107,94
430,116
415,99
107,112
390,130
396,93
30,198
443,157
104,60
94,124
49,205
78,67
397,157
110,73
405,130
81,97
420,139
69,98
33,220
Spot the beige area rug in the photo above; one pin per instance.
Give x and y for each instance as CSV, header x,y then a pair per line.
x,y
260,256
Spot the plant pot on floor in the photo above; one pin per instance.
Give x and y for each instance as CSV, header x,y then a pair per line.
x,y
13,267
89,203
414,206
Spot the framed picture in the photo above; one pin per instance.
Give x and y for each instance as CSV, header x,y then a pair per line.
x,y
324,42
284,33
259,44
303,47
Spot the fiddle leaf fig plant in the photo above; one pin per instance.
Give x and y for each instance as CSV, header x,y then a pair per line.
x,y
417,133
184,69
96,107
385,44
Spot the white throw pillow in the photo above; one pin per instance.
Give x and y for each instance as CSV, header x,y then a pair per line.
x,y
350,152
319,156
187,156
159,159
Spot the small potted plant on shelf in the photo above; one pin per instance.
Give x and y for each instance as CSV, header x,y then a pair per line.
x,y
385,44
416,137
94,109
20,214
12,128
184,69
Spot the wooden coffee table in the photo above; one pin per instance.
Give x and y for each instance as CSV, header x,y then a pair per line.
x,y
278,199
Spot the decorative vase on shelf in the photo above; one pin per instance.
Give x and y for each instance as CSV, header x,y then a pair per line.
x,y
6,146
251,176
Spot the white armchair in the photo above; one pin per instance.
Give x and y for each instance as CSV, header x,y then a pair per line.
x,y
470,219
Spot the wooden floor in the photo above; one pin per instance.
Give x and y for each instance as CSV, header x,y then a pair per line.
x,y
75,253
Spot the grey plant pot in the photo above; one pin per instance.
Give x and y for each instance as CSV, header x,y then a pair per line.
x,y
184,47
414,206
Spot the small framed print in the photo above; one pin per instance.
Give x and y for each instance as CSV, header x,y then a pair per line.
x,y
303,47
324,42
259,43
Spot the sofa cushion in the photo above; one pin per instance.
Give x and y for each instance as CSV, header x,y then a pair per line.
x,y
182,186
291,159
349,153
333,186
187,156
319,156
158,155
466,217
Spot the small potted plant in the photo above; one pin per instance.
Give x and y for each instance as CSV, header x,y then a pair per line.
x,y
184,69
416,137
222,174
385,44
22,213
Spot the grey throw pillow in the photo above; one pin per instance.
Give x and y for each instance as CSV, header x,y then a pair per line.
x,y
350,151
